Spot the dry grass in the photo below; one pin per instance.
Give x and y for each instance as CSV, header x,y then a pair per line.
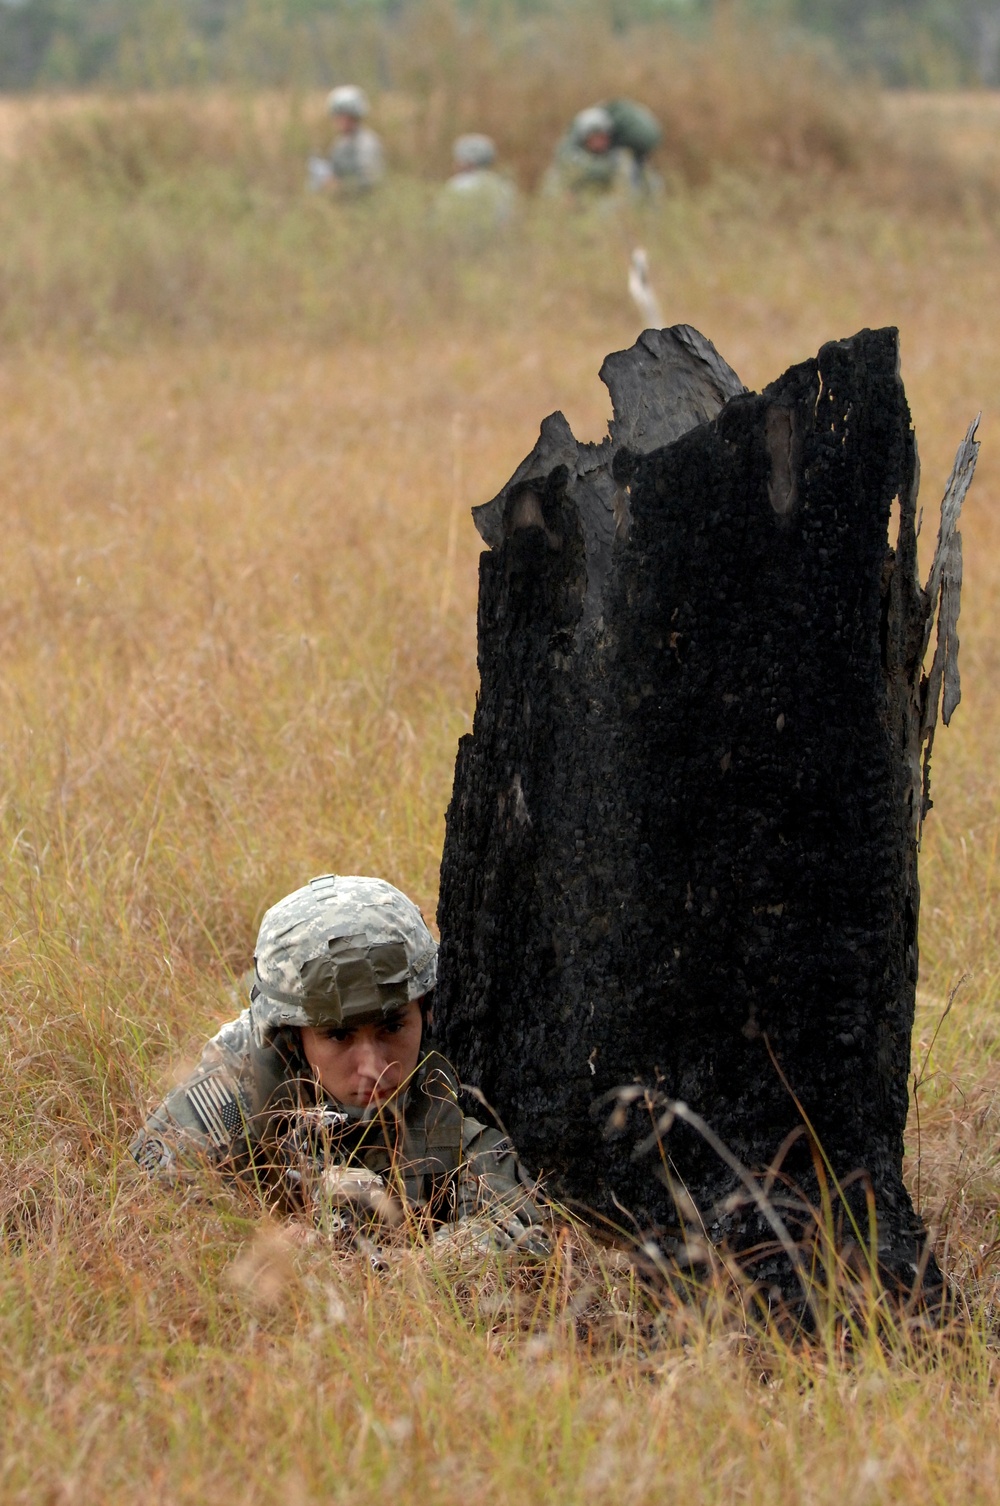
x,y
961,126
737,94
237,650
184,213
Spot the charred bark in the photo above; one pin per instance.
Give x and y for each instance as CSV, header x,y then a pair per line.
x,y
681,850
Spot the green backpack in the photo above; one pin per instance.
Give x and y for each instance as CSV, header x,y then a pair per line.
x,y
635,127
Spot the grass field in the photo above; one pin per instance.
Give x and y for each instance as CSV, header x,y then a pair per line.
x,y
239,436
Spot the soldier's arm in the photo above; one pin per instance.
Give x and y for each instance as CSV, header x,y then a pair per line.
x,y
494,1193
371,159
204,1120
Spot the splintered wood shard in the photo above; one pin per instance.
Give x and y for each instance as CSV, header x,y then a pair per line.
x,y
943,592
681,850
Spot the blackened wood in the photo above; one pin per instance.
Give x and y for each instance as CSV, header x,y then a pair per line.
x,y
681,849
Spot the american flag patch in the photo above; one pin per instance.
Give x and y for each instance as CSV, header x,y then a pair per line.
x,y
218,1108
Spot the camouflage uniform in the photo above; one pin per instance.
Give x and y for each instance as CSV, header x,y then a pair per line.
x,y
632,132
579,172
356,159
338,952
477,200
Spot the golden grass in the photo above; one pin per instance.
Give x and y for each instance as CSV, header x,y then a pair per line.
x,y
962,125
238,650
442,67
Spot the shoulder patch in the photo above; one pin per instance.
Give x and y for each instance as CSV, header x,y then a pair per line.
x,y
152,1153
217,1107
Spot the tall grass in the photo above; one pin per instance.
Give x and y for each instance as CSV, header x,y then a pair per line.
x,y
187,213
238,650
739,97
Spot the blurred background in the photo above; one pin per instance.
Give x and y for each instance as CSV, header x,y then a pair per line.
x,y
152,43
152,152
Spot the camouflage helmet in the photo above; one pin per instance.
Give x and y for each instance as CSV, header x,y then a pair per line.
x,y
348,99
474,150
595,120
340,951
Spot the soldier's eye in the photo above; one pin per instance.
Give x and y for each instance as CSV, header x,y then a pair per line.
x,y
338,1035
393,1027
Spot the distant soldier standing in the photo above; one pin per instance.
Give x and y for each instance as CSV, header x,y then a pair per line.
x,y
322,1095
356,161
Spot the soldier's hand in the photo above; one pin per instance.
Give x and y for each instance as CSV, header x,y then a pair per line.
x,y
351,1196
503,1235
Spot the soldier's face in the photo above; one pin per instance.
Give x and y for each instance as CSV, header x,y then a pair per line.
x,y
346,124
598,142
367,1064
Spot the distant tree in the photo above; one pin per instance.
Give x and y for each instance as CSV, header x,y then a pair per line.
x,y
980,26
78,42
27,30
908,41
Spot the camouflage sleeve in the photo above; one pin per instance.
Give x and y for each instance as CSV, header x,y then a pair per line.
x,y
370,158
574,170
203,1121
493,1189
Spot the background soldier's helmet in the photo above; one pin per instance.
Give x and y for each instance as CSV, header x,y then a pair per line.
x,y
341,951
348,99
474,150
591,121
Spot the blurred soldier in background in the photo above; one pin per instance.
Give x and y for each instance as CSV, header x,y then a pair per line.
x,y
477,200
586,161
322,1093
606,150
356,161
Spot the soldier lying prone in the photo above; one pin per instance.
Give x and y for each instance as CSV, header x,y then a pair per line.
x,y
322,1092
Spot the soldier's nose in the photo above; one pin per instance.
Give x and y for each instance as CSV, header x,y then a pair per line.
x,y
372,1060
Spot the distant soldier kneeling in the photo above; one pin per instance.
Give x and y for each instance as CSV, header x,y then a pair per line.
x,y
476,199
321,1093
606,151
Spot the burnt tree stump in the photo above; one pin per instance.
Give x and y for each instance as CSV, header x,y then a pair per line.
x,y
681,849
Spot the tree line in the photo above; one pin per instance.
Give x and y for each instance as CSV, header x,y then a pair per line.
x,y
157,43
